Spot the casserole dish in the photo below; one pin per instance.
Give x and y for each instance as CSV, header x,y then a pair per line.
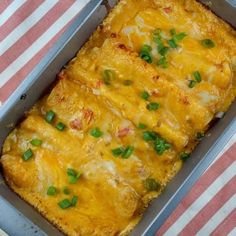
x,y
189,161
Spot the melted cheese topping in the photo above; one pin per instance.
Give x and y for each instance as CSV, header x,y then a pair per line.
x,y
112,191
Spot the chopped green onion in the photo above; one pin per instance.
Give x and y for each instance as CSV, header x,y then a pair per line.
x,y
36,142
151,184
192,83
161,145
200,136
149,136
197,76
172,43
50,115
157,32
127,82
52,191
142,126
66,190
163,51
72,179
145,53
162,62
71,172
74,200
173,32
108,76
117,151
96,132
184,156
207,43
145,95
73,176
153,106
179,37
64,204
60,126
127,152
158,41
27,154
78,175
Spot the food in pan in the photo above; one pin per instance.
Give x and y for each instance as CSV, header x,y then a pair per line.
x,y
124,115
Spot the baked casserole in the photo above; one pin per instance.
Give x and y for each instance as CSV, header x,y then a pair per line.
x,y
124,116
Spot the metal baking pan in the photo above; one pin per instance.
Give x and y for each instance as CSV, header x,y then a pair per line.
x,y
35,85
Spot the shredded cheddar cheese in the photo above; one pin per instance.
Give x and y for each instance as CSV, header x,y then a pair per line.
x,y
124,116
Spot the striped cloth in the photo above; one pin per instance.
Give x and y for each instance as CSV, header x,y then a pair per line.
x,y
210,207
29,28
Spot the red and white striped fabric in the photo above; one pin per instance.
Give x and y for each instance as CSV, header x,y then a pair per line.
x,y
210,207
28,29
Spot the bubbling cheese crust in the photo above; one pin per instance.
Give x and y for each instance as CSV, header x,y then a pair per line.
x,y
125,114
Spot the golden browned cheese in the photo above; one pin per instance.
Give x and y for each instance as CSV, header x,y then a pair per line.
x,y
102,89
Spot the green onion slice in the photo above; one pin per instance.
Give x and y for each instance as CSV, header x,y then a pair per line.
x,y
71,172
208,43
108,76
149,136
158,41
72,179
73,175
50,115
157,33
197,76
36,142
161,145
96,132
117,151
27,154
163,51
173,32
200,136
151,184
142,126
184,156
64,204
153,106
66,190
172,43
60,126
127,152
145,53
162,62
74,200
179,37
145,95
192,83
51,191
